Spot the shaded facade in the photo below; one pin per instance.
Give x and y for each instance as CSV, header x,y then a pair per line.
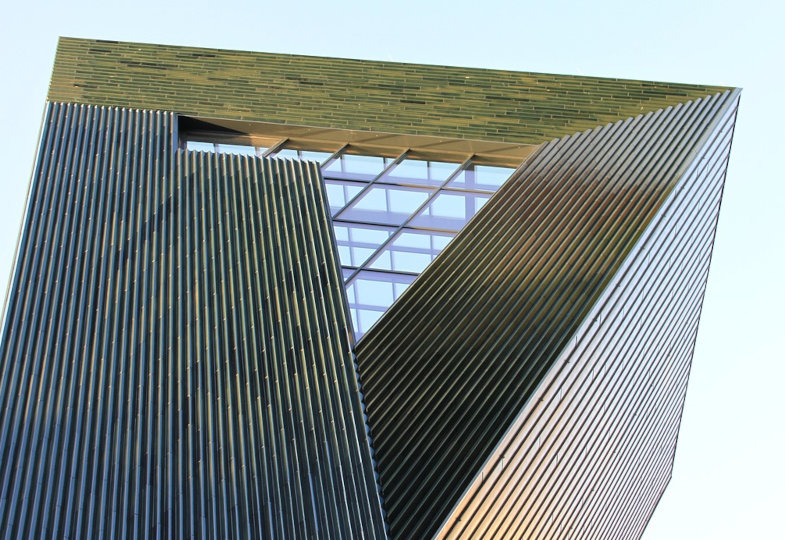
x,y
185,348
471,375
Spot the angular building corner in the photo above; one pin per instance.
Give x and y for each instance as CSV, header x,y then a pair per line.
x,y
285,296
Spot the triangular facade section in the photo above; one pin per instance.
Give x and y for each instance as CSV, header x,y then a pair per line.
x,y
450,368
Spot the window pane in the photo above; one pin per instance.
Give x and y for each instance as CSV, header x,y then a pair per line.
x,y
355,322
411,251
287,153
356,243
365,320
235,149
305,155
309,155
371,293
340,193
377,288
482,177
345,254
196,146
356,167
415,171
389,205
450,210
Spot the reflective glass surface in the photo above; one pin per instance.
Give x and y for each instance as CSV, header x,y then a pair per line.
x,y
356,243
340,193
389,205
411,251
306,155
371,293
419,172
481,177
238,149
197,146
450,210
355,167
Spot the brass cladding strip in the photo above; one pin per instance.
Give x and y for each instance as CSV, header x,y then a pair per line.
x,y
604,426
450,365
361,95
175,357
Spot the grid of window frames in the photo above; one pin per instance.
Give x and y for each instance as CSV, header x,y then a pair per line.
x,y
391,216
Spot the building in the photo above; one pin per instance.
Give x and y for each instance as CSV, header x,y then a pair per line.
x,y
206,332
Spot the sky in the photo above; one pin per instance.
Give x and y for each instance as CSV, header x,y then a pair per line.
x,y
729,473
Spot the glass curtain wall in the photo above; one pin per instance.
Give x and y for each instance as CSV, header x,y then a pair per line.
x,y
391,215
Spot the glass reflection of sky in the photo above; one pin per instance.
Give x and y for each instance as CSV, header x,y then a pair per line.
x,y
388,205
370,293
420,172
482,177
356,167
391,217
305,155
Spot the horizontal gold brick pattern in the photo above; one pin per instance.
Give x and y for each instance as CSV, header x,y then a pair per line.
x,y
413,99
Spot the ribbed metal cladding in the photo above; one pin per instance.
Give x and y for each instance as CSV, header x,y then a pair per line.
x,y
591,453
175,351
461,362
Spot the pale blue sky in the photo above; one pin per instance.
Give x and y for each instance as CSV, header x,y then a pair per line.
x,y
729,477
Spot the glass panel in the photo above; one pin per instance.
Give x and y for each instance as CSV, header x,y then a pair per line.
x,y
411,251
415,171
197,146
398,288
482,177
340,193
287,153
305,155
310,155
355,322
366,318
371,293
354,167
389,205
235,149
356,243
450,210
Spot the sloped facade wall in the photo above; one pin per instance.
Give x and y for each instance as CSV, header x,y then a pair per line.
x,y
455,360
175,354
591,452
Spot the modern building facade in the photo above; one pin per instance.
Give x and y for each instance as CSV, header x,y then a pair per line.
x,y
262,295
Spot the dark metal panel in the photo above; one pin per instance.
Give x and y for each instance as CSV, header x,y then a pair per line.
x,y
448,370
175,356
